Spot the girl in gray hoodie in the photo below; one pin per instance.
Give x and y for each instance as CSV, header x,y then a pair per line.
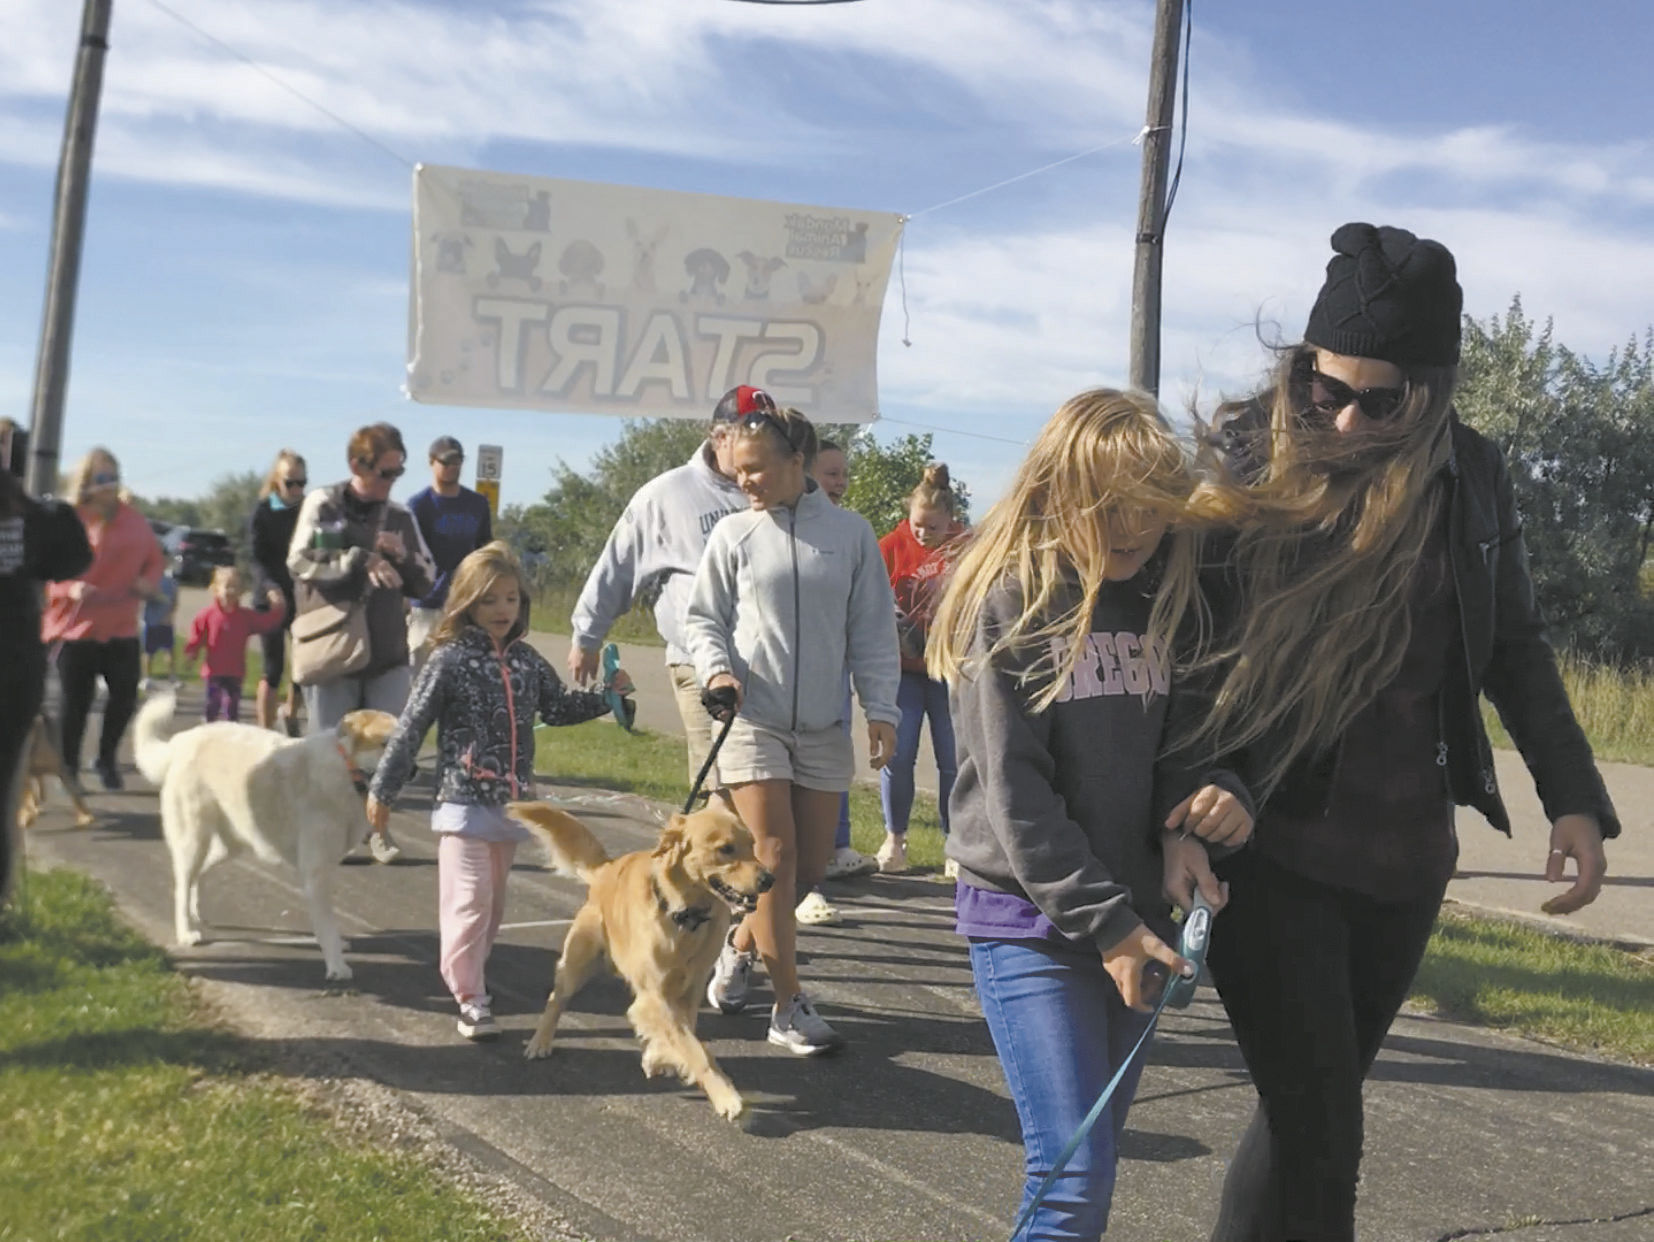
x,y
788,596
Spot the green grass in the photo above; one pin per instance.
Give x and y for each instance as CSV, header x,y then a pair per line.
x,y
129,1116
1615,708
1504,975
653,765
554,605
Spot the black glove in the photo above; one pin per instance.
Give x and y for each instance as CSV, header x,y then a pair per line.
x,y
720,703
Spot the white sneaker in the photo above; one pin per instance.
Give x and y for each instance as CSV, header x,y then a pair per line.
x,y
950,869
892,856
816,910
731,977
383,849
143,685
797,1027
850,861
476,1021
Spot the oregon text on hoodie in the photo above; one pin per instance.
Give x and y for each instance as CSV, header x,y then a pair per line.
x,y
657,543
786,600
1058,806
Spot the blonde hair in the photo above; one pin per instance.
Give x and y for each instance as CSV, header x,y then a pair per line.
x,y
935,491
1330,534
471,581
272,481
80,478
1105,454
222,576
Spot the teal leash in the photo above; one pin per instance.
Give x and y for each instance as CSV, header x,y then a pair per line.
x,y
1177,993
624,712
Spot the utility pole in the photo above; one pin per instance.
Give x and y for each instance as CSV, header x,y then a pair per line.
x,y
1151,199
74,174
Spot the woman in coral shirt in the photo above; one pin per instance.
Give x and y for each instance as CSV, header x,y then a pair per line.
x,y
95,616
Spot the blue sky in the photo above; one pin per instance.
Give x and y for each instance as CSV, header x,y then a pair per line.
x,y
245,276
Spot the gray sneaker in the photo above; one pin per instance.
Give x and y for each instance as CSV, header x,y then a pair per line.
x,y
477,1021
731,977
797,1027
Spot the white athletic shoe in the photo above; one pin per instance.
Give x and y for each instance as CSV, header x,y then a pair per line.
x,y
731,977
892,856
797,1027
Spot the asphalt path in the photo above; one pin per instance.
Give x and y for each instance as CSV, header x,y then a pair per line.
x,y
909,1134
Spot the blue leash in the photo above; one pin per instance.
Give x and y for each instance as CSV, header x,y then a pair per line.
x,y
1178,992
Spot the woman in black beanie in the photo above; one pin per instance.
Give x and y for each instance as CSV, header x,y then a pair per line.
x,y
1377,585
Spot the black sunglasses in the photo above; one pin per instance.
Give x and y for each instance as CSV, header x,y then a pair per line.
x,y
1323,396
392,473
294,482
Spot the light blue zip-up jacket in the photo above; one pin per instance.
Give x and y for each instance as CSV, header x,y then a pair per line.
x,y
789,599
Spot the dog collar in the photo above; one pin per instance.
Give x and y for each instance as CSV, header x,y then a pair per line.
x,y
689,918
358,778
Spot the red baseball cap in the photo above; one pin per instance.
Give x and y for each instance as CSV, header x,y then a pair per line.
x,y
742,400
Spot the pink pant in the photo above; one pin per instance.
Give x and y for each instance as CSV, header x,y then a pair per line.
x,y
471,876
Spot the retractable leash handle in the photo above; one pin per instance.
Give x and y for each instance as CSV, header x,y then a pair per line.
x,y
624,712
1177,993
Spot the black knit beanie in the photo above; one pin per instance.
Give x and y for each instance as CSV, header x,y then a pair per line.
x,y
1388,295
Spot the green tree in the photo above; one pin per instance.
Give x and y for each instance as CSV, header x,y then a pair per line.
x,y
1579,441
882,477
227,506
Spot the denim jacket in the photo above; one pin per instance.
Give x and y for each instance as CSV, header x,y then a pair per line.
x,y
483,700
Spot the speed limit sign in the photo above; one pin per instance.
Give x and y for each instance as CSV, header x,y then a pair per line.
x,y
489,460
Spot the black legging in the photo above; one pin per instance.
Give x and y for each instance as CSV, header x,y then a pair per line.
x,y
79,664
1311,976
22,687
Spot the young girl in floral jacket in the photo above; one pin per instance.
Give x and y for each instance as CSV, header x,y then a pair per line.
x,y
482,687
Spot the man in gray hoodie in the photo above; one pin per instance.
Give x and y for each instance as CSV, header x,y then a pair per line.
x,y
656,546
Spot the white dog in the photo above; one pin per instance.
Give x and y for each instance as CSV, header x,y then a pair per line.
x,y
230,788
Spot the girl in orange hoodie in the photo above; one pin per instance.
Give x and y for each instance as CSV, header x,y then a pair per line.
x,y
917,555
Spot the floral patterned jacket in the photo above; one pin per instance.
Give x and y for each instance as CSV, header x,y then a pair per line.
x,y
483,701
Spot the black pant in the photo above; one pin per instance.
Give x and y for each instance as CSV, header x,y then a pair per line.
x,y
22,687
79,665
1311,976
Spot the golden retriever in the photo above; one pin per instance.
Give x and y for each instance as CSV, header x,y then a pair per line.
x,y
660,916
45,760
228,789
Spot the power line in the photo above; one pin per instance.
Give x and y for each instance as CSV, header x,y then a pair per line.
x,y
952,431
286,86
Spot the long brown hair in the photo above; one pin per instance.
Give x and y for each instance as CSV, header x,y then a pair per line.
x,y
1103,454
1330,531
475,575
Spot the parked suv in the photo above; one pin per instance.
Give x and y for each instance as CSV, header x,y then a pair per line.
x,y
198,553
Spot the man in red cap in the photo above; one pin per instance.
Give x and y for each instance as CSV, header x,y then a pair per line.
x,y
656,547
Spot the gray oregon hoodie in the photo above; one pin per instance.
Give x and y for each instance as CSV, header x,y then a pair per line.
x,y
787,600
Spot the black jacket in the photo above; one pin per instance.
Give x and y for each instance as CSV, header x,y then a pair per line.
x,y
1505,653
272,535
39,542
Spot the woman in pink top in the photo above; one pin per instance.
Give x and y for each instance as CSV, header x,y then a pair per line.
x,y
221,631
95,616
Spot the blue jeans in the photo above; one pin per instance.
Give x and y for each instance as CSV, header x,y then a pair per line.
x,y
1061,1031
918,696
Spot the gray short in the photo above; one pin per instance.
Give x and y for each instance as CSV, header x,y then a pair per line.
x,y
816,759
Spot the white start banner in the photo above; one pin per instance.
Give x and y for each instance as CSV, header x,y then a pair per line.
x,y
575,297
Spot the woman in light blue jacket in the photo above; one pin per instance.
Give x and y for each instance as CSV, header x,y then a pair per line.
x,y
788,596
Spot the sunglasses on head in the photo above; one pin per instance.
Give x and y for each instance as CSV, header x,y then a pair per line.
x,y
1323,396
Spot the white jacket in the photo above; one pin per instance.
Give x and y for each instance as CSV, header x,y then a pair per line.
x,y
787,600
657,543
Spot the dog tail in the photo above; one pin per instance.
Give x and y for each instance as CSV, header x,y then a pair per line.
x,y
573,849
151,739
